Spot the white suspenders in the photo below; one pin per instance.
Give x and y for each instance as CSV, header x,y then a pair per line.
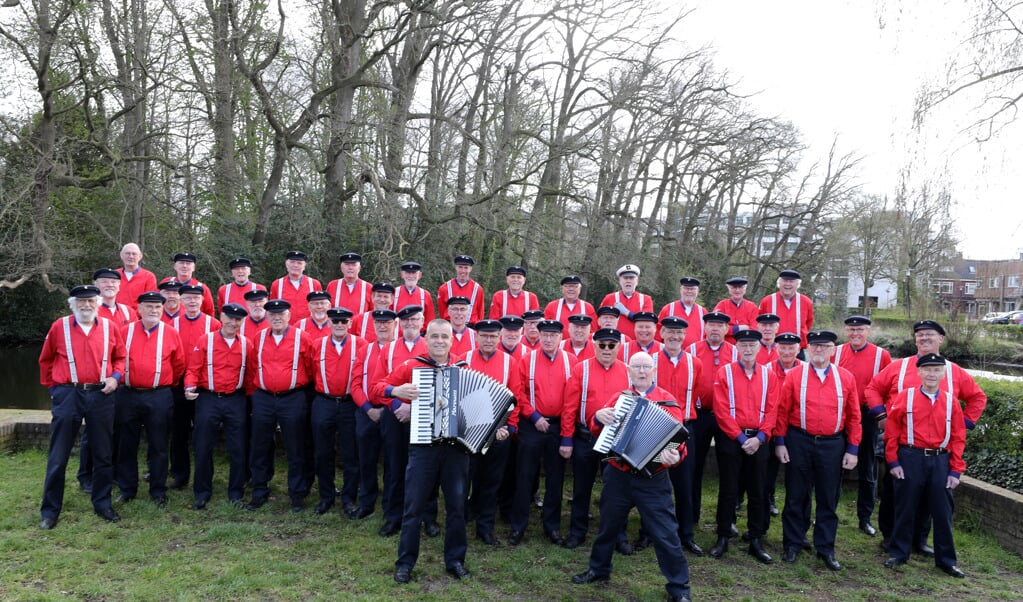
x,y
507,364
294,359
802,396
731,391
532,373
877,357
902,374
504,301
323,364
66,321
799,321
209,361
159,353
909,418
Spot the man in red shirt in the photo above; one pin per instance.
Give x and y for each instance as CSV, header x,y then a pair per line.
x,y
569,303
745,407
154,362
295,285
135,279
169,290
109,283
644,324
80,363
688,309
462,286
282,361
255,321
382,297
530,332
864,360
652,496
742,311
317,324
350,291
515,300
184,268
794,308
628,301
767,324
578,344
410,293
817,433
337,374
220,366
511,336
608,317
593,381
234,291
924,445
544,434
463,340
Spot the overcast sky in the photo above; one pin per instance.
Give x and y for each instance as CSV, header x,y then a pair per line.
x,y
851,69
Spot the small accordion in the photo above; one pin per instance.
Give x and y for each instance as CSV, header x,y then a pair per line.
x,y
642,430
457,404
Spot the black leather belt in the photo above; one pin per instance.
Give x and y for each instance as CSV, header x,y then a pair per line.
x,y
280,394
750,432
340,399
704,411
86,386
816,437
148,389
222,395
927,451
553,420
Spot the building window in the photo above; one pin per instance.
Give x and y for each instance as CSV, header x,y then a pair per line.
x,y
993,282
1010,306
1012,281
971,288
945,288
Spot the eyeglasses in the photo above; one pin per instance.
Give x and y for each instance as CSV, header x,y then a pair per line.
x,y
339,320
642,367
610,345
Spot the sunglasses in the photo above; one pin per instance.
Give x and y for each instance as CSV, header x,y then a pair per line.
x,y
610,345
339,320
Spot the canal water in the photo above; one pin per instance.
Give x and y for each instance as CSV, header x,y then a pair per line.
x,y
19,379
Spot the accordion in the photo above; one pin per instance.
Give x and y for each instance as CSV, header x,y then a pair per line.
x,y
641,431
460,405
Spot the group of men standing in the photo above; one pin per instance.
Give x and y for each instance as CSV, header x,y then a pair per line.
x,y
331,368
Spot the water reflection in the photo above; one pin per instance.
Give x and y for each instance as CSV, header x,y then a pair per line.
x,y
19,379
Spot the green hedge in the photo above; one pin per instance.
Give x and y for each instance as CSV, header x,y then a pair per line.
x,y
994,450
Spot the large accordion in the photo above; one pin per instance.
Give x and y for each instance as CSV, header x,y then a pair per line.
x,y
642,430
457,404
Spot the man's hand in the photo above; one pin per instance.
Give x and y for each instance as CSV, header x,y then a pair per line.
x,y
403,413
898,473
407,391
605,416
849,461
670,457
565,451
374,414
109,385
501,434
951,482
783,454
542,425
751,446
881,422
622,309
191,394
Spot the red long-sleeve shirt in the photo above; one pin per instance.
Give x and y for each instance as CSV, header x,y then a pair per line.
x,y
121,315
504,303
631,347
560,310
796,317
389,359
339,372
590,386
471,290
282,366
134,284
154,357
930,427
207,296
91,364
820,411
693,315
282,288
711,360
192,329
901,375
746,402
251,328
314,330
357,297
372,372
544,379
766,354
743,314
503,368
587,352
216,366
657,395
463,343
865,364
404,297
681,376
637,302
520,351
232,292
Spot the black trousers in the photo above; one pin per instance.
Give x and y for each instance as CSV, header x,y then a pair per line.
x,y
735,466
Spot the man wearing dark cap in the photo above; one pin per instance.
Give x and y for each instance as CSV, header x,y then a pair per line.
x,y
511,336
609,317
382,297
741,311
794,308
108,282
410,293
569,303
318,324
627,299
184,268
255,322
688,309
544,433
462,286
818,433
463,339
901,375
644,327
351,291
337,377
924,445
169,290
767,325
487,470
81,361
514,300
593,381
234,291
135,279
220,367
578,344
282,359
787,347
154,362
864,360
530,331
745,407
295,285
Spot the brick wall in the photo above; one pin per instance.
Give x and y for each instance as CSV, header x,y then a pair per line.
x,y
998,510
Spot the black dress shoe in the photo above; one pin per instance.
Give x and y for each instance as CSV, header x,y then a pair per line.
x,y
572,542
806,545
641,544
124,499
924,550
756,550
403,574
109,515
625,548
85,487
746,536
458,571
893,562
488,538
297,504
431,528
257,503
555,538
47,523
179,483
589,577
145,477
790,555
323,507
360,513
390,529
868,528
349,508
199,505
160,501
692,547
953,571
886,544
829,561
773,509
733,531
515,538
681,598
719,548
237,503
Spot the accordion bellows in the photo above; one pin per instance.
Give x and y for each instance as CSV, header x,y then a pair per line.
x,y
642,430
458,404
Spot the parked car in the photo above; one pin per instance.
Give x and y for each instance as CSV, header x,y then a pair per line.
x,y
1012,317
995,317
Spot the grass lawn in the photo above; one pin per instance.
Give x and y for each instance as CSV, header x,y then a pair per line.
x,y
226,553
